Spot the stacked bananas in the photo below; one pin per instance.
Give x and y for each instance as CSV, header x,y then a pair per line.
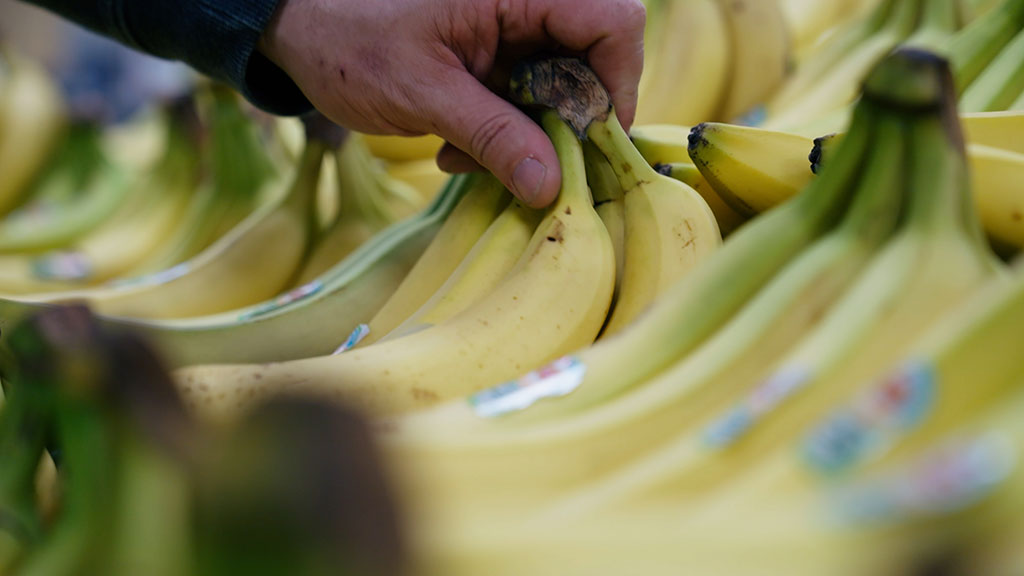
x,y
137,486
605,386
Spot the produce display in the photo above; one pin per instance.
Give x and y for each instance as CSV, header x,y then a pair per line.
x,y
773,328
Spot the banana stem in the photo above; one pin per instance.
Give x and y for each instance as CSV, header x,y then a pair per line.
x,y
570,157
627,162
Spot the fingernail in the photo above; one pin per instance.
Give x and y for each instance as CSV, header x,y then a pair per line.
x,y
528,179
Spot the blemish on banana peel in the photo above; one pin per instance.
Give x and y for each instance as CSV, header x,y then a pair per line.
x,y
568,85
423,395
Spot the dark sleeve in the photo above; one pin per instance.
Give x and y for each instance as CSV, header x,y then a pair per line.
x,y
216,37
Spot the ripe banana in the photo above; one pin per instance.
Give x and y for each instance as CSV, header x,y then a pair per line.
x,y
403,149
664,146
483,202
33,119
693,50
761,54
518,326
994,130
486,265
609,205
745,166
423,175
669,229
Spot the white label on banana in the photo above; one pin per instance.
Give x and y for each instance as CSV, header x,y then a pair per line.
x,y
873,422
357,335
765,398
559,378
950,478
304,291
62,266
156,278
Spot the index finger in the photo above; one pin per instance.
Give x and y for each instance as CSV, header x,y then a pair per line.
x,y
609,32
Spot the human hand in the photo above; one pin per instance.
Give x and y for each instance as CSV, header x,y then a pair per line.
x,y
412,67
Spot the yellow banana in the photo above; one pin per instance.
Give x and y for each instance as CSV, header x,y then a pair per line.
x,y
692,50
664,146
470,219
761,54
32,124
669,228
423,175
403,149
752,169
485,266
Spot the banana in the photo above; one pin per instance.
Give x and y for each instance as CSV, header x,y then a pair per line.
x,y
744,165
489,261
994,130
402,148
570,254
423,175
609,205
693,50
574,449
808,20
313,320
664,146
669,229
906,287
254,262
974,47
962,366
994,175
475,213
1001,83
761,53
839,84
242,175
824,57
80,189
133,231
995,179
33,122
940,20
357,217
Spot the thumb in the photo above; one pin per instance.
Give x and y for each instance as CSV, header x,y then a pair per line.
x,y
500,137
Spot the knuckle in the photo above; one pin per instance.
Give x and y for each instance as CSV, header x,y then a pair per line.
x,y
487,136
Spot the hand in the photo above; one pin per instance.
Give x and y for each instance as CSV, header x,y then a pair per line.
x,y
429,66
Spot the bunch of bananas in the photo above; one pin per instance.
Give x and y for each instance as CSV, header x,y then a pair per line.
x,y
723,345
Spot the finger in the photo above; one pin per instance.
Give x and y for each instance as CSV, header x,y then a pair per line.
x,y
498,136
454,161
610,33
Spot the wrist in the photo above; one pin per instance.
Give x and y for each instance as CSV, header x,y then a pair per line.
x,y
273,42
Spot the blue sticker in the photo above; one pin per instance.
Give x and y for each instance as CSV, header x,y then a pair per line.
x,y
765,397
874,421
557,379
357,335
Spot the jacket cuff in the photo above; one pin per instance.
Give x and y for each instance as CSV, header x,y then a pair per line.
x,y
216,37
